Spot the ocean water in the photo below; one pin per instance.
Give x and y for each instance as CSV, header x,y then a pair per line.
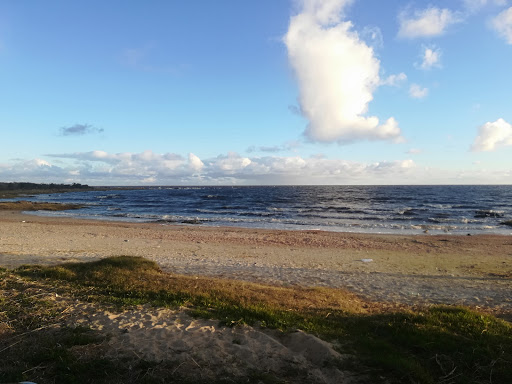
x,y
369,209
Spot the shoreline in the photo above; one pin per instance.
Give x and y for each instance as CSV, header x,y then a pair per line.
x,y
407,269
505,228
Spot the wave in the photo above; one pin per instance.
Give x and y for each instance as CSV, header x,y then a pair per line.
x,y
341,210
111,196
214,197
408,211
482,213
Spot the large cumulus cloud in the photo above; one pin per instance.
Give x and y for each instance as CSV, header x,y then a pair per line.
x,y
337,74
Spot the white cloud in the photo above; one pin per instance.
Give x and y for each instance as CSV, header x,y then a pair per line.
x,y
195,162
414,151
390,129
149,180
337,74
417,92
503,25
395,80
476,5
492,136
230,164
325,11
38,163
429,22
431,58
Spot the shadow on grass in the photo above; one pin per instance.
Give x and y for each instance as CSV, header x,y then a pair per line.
x,y
428,345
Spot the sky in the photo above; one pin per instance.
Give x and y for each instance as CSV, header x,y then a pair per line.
x,y
230,92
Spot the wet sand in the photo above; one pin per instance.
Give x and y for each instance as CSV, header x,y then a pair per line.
x,y
422,269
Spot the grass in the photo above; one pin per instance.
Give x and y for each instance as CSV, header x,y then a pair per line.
x,y
422,345
24,205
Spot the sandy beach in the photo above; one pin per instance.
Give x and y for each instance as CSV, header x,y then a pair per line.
x,y
420,270
468,270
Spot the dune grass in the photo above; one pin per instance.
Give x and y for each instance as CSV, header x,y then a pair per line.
x,y
397,344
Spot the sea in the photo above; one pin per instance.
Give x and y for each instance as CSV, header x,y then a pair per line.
x,y
450,209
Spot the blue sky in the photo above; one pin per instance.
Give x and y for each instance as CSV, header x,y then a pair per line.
x,y
267,92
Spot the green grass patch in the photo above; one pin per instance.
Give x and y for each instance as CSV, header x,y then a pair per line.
x,y
431,345
439,344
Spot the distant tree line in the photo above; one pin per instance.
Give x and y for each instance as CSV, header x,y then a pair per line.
x,y
35,186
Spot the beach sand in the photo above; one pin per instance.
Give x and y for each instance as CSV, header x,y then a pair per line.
x,y
204,349
442,269
475,271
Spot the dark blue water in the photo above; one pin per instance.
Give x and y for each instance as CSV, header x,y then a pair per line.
x,y
372,209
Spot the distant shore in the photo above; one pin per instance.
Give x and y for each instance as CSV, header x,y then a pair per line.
x,y
421,269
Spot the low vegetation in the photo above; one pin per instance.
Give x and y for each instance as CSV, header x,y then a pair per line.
x,y
23,205
392,344
22,189
16,189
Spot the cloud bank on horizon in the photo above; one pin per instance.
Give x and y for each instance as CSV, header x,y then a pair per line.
x,y
150,167
372,92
